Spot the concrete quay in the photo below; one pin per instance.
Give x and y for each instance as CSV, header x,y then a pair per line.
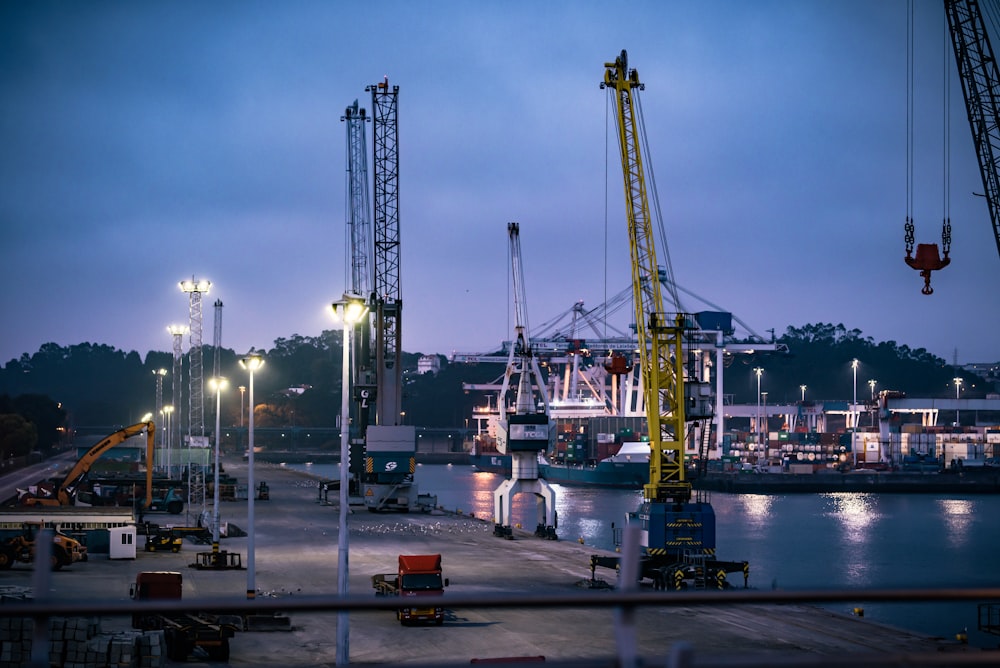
x,y
296,555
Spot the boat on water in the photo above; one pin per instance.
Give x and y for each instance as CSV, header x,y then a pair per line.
x,y
491,462
626,469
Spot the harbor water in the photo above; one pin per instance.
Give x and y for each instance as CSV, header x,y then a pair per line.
x,y
792,541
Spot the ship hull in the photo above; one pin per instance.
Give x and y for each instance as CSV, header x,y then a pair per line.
x,y
615,475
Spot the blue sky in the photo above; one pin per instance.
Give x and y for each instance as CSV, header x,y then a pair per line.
x,y
145,143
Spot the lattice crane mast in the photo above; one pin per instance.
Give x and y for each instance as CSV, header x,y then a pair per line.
x,y
359,233
980,76
389,446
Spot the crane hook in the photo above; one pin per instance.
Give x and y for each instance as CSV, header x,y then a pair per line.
x,y
927,260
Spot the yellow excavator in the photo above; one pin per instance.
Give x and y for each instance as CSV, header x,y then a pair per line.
x,y
66,490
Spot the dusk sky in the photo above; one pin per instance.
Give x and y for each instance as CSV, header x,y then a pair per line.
x,y
143,143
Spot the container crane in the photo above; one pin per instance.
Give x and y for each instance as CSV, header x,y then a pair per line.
x,y
678,534
529,429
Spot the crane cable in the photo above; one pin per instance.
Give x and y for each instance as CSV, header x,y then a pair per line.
x,y
909,128
946,158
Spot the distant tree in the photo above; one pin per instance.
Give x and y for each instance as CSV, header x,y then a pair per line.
x,y
18,437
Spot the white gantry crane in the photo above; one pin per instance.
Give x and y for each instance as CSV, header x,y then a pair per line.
x,y
529,429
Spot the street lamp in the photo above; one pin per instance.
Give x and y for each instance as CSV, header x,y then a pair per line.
x,y
217,384
251,362
765,435
350,309
872,383
803,388
958,388
854,417
243,389
168,411
159,373
758,370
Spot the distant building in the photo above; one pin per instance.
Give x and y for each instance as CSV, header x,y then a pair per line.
x,y
297,390
428,364
987,370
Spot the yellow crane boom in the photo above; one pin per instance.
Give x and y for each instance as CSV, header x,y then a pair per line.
x,y
659,333
72,480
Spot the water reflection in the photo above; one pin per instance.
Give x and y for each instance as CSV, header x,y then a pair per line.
x,y
756,509
958,517
856,515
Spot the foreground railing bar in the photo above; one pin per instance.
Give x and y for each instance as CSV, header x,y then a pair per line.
x,y
596,599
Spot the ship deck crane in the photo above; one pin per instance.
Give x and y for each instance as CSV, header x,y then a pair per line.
x,y
678,534
528,429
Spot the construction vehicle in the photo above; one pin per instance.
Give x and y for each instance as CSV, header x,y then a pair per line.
x,y
65,491
183,632
677,534
528,429
168,500
418,578
65,549
163,539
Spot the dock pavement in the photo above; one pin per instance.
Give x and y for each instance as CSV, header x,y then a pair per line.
x,y
296,554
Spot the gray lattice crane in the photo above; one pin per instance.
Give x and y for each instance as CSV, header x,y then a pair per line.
x,y
389,445
977,69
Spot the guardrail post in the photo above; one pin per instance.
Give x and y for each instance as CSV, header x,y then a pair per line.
x,y
41,581
628,581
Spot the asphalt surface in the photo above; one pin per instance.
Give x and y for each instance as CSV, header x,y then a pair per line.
x,y
296,555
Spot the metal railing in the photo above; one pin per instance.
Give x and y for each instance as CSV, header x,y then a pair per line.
x,y
625,601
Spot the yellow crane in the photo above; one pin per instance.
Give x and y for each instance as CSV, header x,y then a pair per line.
x,y
678,534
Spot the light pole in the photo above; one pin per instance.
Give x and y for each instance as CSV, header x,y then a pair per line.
x,y
872,383
243,389
159,373
765,432
958,388
758,370
168,411
350,309
216,384
854,417
251,362
803,388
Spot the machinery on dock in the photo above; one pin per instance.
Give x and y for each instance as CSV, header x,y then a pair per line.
x,y
677,533
383,449
529,429
418,580
182,631
64,493
66,550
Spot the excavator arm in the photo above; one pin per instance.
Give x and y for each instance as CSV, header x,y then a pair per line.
x,y
76,475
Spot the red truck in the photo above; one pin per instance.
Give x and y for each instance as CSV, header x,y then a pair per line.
x,y
419,580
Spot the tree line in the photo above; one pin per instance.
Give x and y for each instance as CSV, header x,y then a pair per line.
x,y
96,385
